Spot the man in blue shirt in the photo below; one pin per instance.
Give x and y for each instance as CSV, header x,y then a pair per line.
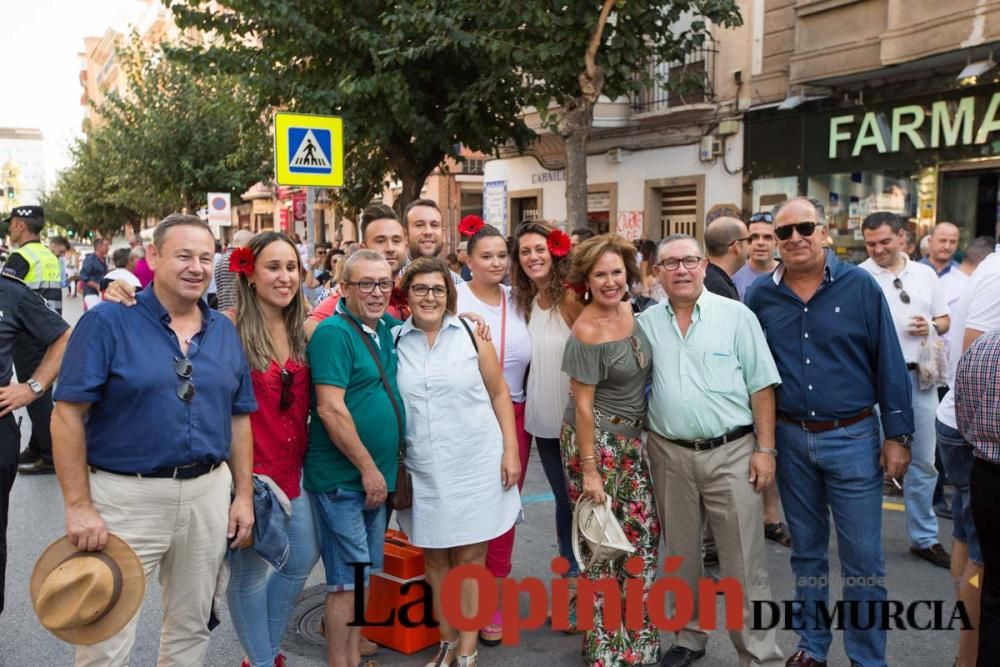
x,y
833,339
93,269
151,402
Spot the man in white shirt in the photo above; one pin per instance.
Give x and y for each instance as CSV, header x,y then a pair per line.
x,y
977,311
917,303
124,262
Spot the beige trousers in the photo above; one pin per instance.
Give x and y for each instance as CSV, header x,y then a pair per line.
x,y
181,527
691,486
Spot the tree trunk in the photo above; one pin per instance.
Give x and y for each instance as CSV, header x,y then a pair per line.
x,y
576,132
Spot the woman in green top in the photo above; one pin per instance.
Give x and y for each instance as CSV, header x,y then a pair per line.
x,y
608,361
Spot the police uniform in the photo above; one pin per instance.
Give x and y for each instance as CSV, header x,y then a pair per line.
x,y
22,312
39,269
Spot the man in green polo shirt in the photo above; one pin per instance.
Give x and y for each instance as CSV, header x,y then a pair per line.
x,y
350,466
713,387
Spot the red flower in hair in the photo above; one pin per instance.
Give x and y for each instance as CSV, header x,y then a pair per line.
x,y
559,243
579,288
241,261
469,225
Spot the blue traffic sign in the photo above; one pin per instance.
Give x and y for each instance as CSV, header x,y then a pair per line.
x,y
311,148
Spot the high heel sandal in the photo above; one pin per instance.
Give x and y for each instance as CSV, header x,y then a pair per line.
x,y
468,660
444,648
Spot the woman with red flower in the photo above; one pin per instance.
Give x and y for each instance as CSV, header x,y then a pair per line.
x,y
550,309
608,361
269,321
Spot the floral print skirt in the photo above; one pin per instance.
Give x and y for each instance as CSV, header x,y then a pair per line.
x,y
621,462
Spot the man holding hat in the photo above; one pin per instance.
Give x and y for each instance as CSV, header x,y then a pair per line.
x,y
22,314
172,362
35,264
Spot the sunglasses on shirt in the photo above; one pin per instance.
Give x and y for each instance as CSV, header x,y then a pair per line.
x,y
287,379
903,296
184,369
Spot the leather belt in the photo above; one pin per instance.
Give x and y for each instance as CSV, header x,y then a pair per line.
x,y
912,366
180,472
712,443
822,426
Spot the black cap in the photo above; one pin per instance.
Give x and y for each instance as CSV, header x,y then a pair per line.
x,y
27,212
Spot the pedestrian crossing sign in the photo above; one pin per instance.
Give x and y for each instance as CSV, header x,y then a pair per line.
x,y
308,150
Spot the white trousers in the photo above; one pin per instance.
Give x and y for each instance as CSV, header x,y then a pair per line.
x,y
180,526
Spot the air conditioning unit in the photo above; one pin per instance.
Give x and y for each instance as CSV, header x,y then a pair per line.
x,y
710,148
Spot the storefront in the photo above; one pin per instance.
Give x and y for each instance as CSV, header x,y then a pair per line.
x,y
927,156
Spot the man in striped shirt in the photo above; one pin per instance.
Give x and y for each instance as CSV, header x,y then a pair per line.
x,y
225,280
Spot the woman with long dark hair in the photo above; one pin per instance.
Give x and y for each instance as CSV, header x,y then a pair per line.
x,y
550,309
269,316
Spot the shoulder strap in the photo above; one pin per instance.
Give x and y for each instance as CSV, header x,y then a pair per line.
x,y
385,381
469,331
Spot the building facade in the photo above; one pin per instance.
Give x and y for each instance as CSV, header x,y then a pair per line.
x,y
877,105
660,163
22,167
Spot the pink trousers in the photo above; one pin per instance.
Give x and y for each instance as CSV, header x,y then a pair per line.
x,y
498,553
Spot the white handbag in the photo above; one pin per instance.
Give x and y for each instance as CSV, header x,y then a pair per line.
x,y
595,524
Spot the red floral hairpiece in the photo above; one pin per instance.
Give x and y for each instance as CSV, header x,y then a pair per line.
x,y
241,261
579,288
559,243
469,225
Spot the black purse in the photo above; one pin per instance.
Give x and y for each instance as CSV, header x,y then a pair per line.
x,y
402,497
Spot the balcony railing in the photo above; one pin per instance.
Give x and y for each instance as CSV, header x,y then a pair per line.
x,y
679,83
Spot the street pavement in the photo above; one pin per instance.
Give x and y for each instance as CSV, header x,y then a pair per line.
x,y
37,519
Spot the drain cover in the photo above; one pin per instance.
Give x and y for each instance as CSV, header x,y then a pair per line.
x,y
303,636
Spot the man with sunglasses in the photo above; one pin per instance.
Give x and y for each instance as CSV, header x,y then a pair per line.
x,y
762,247
832,336
711,440
917,303
153,401
727,249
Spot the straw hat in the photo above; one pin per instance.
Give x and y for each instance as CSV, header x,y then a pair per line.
x,y
84,597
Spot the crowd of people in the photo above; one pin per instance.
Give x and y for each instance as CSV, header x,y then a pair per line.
x,y
698,389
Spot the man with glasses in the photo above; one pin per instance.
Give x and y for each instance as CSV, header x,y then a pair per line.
x,y
726,243
354,439
917,304
762,247
711,442
832,336
152,403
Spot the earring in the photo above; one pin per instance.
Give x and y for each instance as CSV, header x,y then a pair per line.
x,y
587,295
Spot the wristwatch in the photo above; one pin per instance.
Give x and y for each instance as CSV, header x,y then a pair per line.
x,y
36,386
766,450
905,439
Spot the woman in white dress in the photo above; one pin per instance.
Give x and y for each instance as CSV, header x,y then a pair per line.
x,y
461,443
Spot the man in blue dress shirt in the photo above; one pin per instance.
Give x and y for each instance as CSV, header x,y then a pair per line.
x,y
152,402
833,339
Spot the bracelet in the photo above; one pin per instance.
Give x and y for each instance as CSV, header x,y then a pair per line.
x,y
588,459
766,450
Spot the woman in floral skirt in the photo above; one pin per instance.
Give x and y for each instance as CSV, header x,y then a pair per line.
x,y
607,359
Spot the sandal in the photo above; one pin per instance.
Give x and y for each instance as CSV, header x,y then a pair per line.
x,y
777,532
492,634
468,660
445,648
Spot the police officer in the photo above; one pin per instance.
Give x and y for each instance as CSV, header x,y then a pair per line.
x,y
22,314
40,270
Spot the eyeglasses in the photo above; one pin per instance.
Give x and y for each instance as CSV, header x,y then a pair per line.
x,y
903,296
640,358
287,378
422,290
763,216
184,369
745,238
368,286
689,262
805,229
753,238
321,252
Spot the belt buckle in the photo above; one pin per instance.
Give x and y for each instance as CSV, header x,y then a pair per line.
x,y
698,444
804,426
615,419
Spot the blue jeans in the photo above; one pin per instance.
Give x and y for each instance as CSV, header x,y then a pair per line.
x,y
956,455
921,476
262,599
551,457
835,472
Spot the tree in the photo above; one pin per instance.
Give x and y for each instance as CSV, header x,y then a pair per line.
x,y
408,78
573,52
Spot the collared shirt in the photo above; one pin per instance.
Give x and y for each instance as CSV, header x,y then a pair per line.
x,y
838,354
93,270
978,309
952,264
719,282
339,357
926,295
23,314
977,396
702,381
121,361
952,284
